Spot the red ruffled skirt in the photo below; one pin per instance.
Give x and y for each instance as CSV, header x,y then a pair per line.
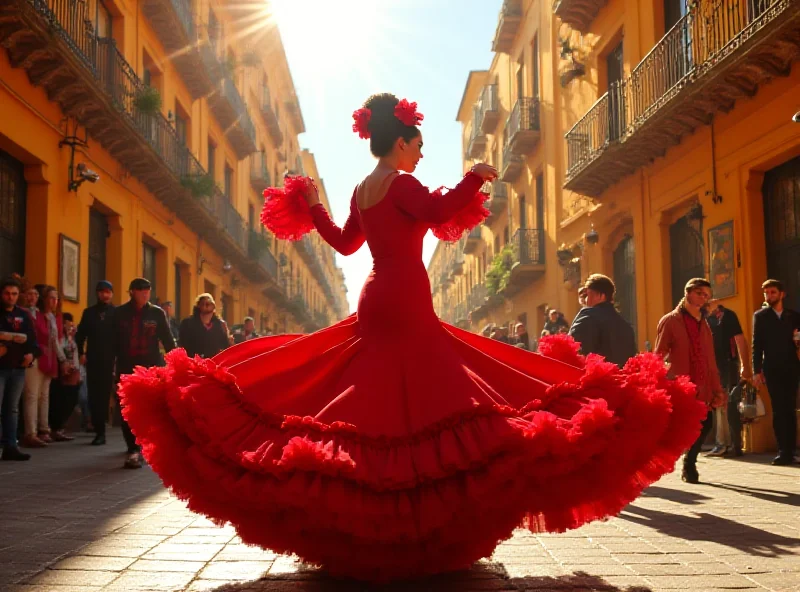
x,y
379,462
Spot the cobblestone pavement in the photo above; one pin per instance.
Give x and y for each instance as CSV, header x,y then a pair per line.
x,y
73,520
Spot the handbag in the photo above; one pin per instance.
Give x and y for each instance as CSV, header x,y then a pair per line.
x,y
750,404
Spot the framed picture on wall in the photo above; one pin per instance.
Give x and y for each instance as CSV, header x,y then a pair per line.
x,y
69,269
722,260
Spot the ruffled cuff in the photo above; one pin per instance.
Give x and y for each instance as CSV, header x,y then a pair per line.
x,y
469,217
286,213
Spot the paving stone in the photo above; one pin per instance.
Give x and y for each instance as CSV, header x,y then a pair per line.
x,y
142,581
73,578
94,563
236,570
153,565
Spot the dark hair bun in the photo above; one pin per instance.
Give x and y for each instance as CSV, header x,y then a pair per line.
x,y
384,127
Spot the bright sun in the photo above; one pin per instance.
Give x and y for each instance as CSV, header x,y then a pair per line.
x,y
327,35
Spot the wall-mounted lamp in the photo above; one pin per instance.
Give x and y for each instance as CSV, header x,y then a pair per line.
x,y
81,173
200,261
796,117
226,266
592,237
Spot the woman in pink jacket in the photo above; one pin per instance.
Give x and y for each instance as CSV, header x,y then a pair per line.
x,y
37,394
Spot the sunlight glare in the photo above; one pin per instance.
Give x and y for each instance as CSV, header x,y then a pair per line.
x,y
328,36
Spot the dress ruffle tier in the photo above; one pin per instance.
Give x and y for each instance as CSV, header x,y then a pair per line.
x,y
378,468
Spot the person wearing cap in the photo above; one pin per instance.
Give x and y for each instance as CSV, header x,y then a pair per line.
x,y
92,339
137,328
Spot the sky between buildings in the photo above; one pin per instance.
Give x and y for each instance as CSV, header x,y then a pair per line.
x,y
341,51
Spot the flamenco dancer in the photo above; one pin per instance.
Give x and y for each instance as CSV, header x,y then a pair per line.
x,y
391,444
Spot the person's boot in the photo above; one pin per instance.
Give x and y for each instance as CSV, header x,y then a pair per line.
x,y
690,474
14,453
99,440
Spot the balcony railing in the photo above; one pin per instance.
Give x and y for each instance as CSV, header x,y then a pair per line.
x,y
719,51
528,257
477,142
460,312
522,128
232,113
259,174
270,117
173,23
528,246
498,202
230,219
489,109
258,250
473,240
476,301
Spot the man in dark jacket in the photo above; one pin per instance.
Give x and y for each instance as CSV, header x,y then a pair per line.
x,y
247,332
17,350
599,328
136,330
203,334
776,341
94,331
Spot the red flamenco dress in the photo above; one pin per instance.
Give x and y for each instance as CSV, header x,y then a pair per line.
x,y
393,445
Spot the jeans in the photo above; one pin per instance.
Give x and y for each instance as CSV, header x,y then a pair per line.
x,y
690,460
83,403
12,382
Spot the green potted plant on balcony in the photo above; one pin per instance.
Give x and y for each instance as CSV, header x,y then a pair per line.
x,y
500,271
199,185
147,101
259,243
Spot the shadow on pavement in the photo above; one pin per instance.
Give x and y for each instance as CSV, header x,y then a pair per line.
x,y
768,495
711,528
688,498
489,576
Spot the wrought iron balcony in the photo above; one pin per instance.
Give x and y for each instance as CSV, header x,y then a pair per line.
x,y
507,26
90,80
292,107
270,117
498,202
578,14
259,175
528,248
228,107
522,128
477,142
512,166
473,240
476,302
717,53
230,219
460,313
489,109
457,258
173,23
258,250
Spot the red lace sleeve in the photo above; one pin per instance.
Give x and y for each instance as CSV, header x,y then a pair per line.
x,y
346,240
449,213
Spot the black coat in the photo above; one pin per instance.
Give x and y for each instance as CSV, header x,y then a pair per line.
x,y
602,330
199,341
154,328
774,351
17,320
94,330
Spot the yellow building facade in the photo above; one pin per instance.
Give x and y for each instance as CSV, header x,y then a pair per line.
x,y
656,141
136,139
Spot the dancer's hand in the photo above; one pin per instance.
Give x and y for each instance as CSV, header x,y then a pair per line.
x,y
485,171
311,194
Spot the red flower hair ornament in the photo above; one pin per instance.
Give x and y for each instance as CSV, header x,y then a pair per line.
x,y
404,111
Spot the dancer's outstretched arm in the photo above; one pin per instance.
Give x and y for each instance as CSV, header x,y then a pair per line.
x,y
346,240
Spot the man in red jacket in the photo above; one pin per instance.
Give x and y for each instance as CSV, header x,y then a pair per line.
x,y
685,340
